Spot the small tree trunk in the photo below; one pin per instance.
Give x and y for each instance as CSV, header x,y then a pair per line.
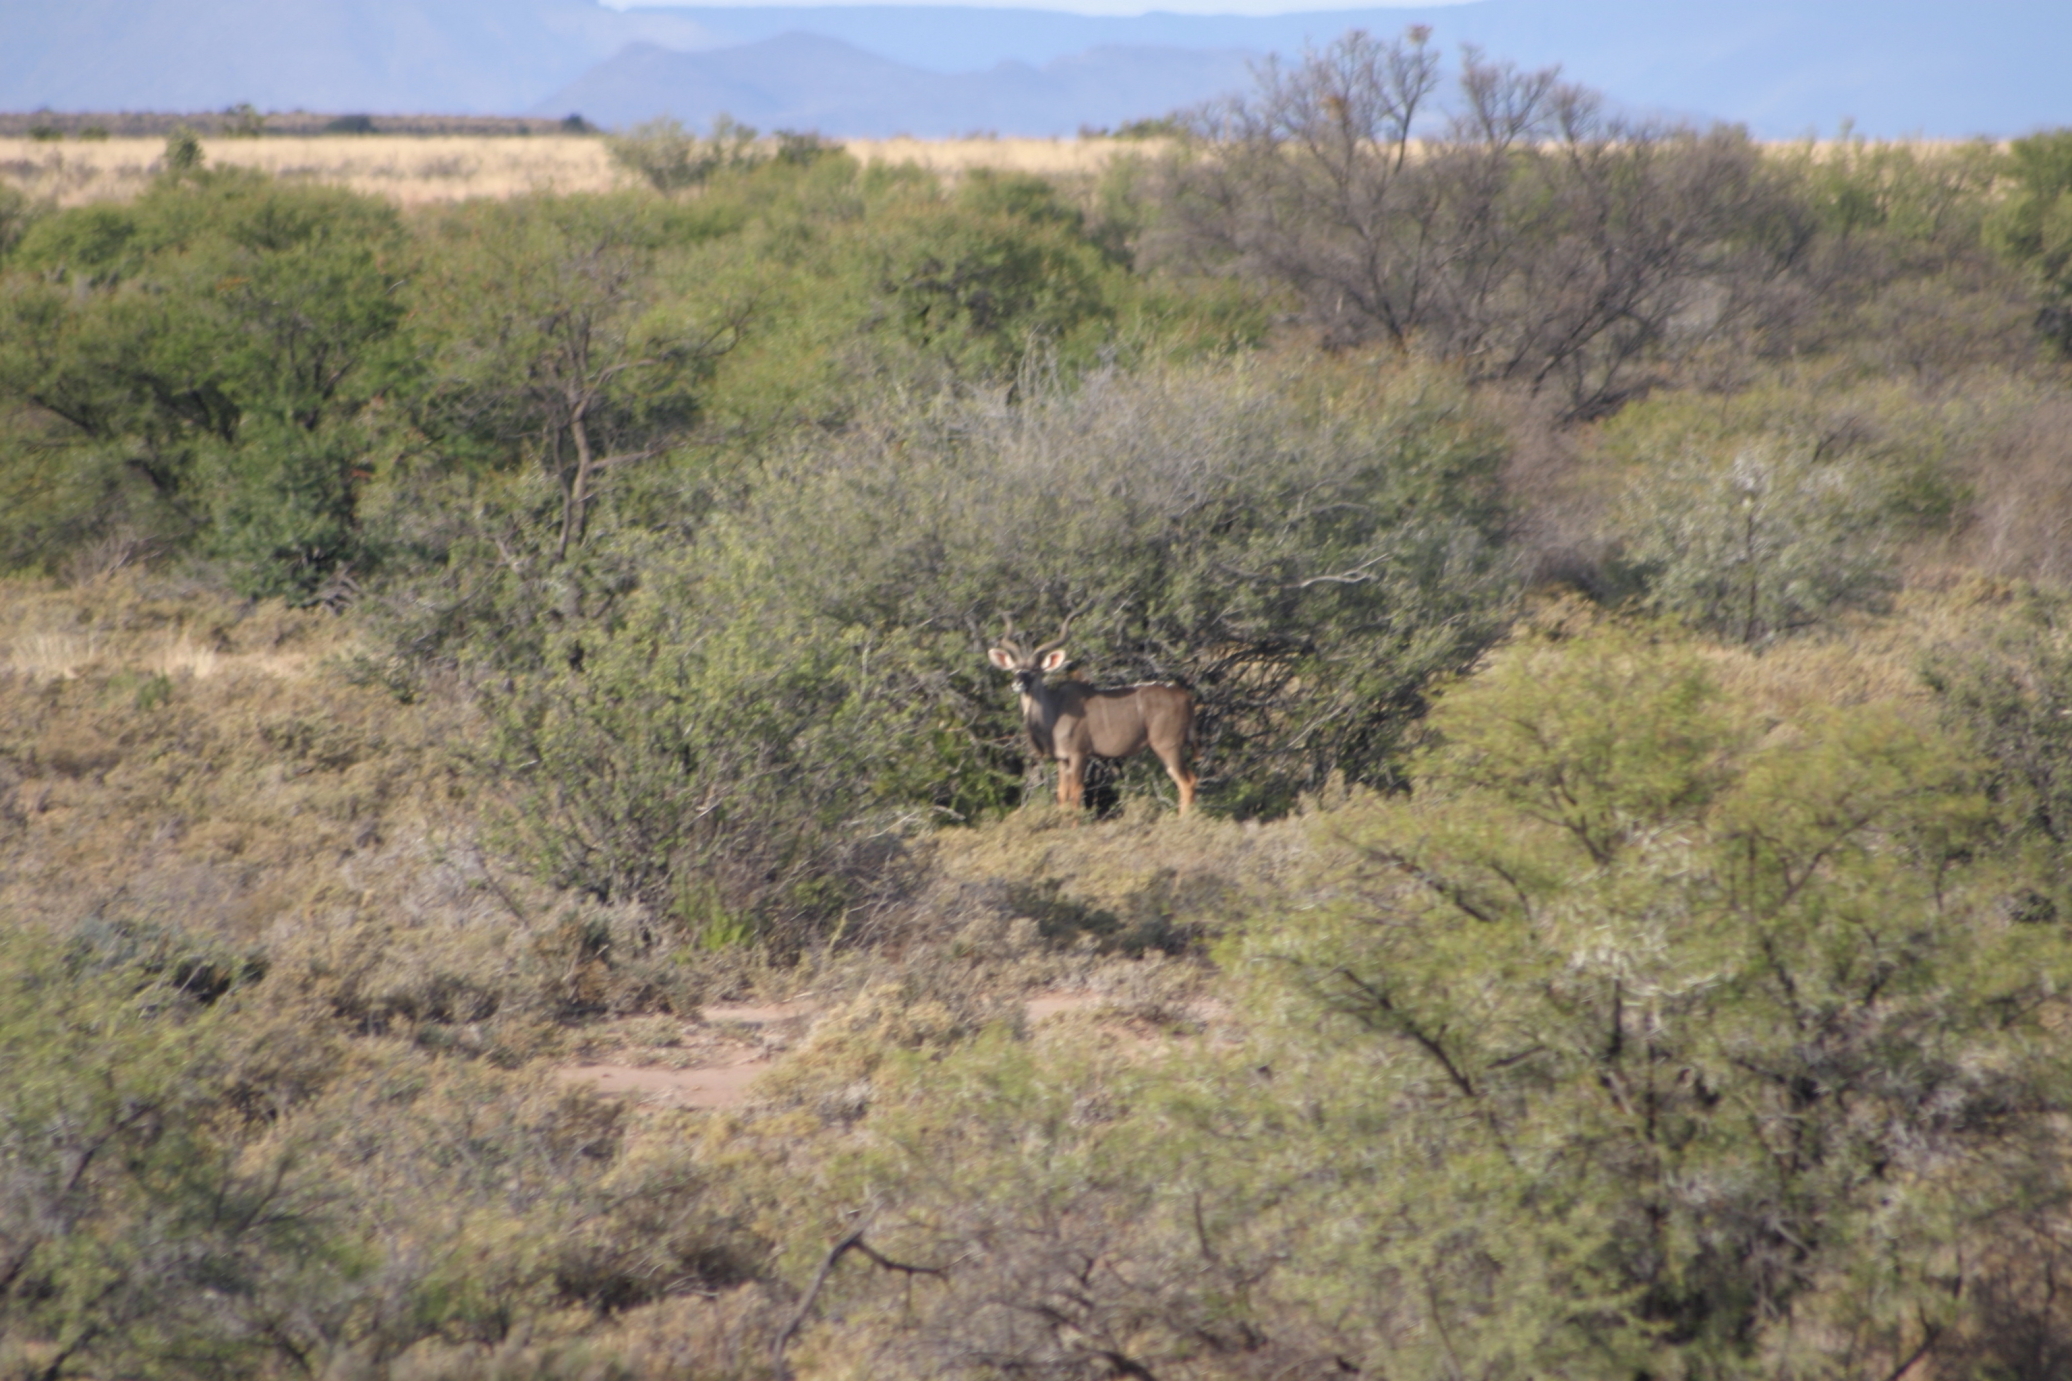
x,y
1748,632
576,498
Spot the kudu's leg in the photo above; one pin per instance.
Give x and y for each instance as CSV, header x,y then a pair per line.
x,y
1072,782
1183,777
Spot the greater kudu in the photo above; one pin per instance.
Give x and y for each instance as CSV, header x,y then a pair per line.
x,y
1073,721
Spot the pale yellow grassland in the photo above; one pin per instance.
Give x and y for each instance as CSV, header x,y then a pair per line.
x,y
414,170
42,638
49,655
1046,157
405,168
417,169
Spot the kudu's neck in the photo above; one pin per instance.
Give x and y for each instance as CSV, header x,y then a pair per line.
x,y
1042,704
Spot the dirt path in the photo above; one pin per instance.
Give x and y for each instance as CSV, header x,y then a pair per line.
x,y
744,1041
721,1087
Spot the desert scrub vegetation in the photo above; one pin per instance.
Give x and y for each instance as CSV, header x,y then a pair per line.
x,y
1594,941
1621,569
1505,219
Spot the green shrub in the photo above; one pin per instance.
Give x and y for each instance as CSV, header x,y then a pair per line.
x,y
243,121
707,771
122,1209
1773,544
736,733
2033,227
1710,1025
1930,197
671,158
205,352
2006,686
183,152
1307,564
1648,1035
553,337
17,214
210,1190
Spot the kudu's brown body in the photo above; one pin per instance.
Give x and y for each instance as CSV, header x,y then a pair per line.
x,y
1072,722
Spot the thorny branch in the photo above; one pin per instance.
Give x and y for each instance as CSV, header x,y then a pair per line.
x,y
852,1242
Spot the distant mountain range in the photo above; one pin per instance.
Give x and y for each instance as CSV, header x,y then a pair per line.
x,y
807,82
458,56
1782,67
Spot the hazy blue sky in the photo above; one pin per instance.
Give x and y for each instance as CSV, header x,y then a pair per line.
x,y
1102,7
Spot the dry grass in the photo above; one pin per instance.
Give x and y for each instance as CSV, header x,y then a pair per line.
x,y
1146,857
418,169
166,751
1864,659
2018,466
412,170
1861,659
48,654
408,170
48,634
60,655
173,758
1046,157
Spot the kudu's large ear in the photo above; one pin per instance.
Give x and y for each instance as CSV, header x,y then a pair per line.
x,y
1054,659
1000,657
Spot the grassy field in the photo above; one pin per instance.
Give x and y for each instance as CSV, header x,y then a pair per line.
x,y
416,170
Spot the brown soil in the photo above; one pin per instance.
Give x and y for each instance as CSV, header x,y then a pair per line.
x,y
723,1087
794,1010
1050,1004
723,1080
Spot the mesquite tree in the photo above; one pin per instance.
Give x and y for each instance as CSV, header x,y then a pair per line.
x,y
1521,229
559,338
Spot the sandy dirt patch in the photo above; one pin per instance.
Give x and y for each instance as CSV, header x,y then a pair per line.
x,y
798,1009
723,1087
732,1045
1051,1004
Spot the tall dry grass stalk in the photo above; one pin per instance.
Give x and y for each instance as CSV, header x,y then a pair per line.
x,y
47,655
416,170
42,638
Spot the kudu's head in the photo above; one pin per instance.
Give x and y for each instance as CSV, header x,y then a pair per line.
x,y
1029,664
